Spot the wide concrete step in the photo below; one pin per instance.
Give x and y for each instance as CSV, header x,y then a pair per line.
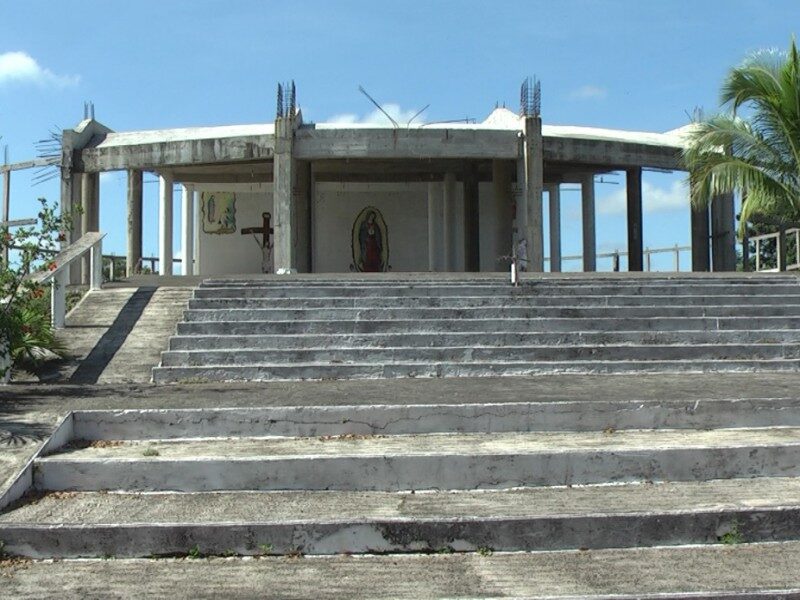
x,y
538,324
422,340
390,355
502,279
327,370
417,462
500,301
613,289
518,312
532,292
526,411
90,524
760,570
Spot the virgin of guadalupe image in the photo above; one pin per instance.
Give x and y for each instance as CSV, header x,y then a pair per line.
x,y
371,242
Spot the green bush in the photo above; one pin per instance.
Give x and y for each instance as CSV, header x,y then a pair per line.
x,y
24,303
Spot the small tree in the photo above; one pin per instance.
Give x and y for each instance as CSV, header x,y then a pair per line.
x,y
25,331
755,148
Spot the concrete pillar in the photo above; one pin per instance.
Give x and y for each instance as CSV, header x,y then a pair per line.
x,y
723,233
701,256
6,208
633,185
587,212
198,230
135,190
472,238
165,223
534,183
72,207
554,198
90,217
302,201
187,229
448,206
501,193
434,225
282,198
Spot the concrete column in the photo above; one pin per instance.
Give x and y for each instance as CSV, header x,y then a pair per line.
x,y
302,202
448,206
198,230
501,193
282,198
701,256
134,254
633,184
472,238
434,226
6,207
554,200
165,223
723,233
187,229
587,211
534,183
90,217
72,207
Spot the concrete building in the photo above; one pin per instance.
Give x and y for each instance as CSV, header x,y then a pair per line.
x,y
432,197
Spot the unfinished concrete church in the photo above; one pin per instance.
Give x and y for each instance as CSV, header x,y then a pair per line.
x,y
297,197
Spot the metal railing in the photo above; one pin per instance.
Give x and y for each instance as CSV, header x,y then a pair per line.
x,y
781,253
616,255
113,259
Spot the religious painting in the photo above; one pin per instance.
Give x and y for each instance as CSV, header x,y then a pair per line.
x,y
218,212
370,242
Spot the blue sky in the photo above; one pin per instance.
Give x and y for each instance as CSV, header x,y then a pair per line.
x,y
628,64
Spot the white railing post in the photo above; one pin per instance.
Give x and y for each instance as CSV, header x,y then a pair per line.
x,y
647,257
58,298
96,261
677,259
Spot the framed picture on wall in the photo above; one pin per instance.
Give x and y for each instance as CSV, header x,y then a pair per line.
x,y
218,212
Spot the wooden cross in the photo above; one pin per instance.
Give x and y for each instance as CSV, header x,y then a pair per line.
x,y
265,230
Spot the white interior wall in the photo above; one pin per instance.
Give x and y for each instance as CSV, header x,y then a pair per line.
x,y
404,207
234,253
336,205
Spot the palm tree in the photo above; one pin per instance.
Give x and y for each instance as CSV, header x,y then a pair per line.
x,y
755,148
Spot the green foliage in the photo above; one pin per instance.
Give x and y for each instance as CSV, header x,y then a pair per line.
x,y
30,333
194,552
754,149
265,549
733,535
24,304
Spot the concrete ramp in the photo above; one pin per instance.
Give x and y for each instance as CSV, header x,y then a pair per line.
x,y
117,334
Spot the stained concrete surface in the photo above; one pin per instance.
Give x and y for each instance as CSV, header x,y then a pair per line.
x,y
304,506
116,335
29,412
741,571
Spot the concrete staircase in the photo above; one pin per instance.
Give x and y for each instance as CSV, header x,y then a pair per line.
x,y
334,328
442,477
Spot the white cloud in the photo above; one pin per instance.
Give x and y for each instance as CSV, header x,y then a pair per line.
x,y
376,117
589,92
23,68
654,199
